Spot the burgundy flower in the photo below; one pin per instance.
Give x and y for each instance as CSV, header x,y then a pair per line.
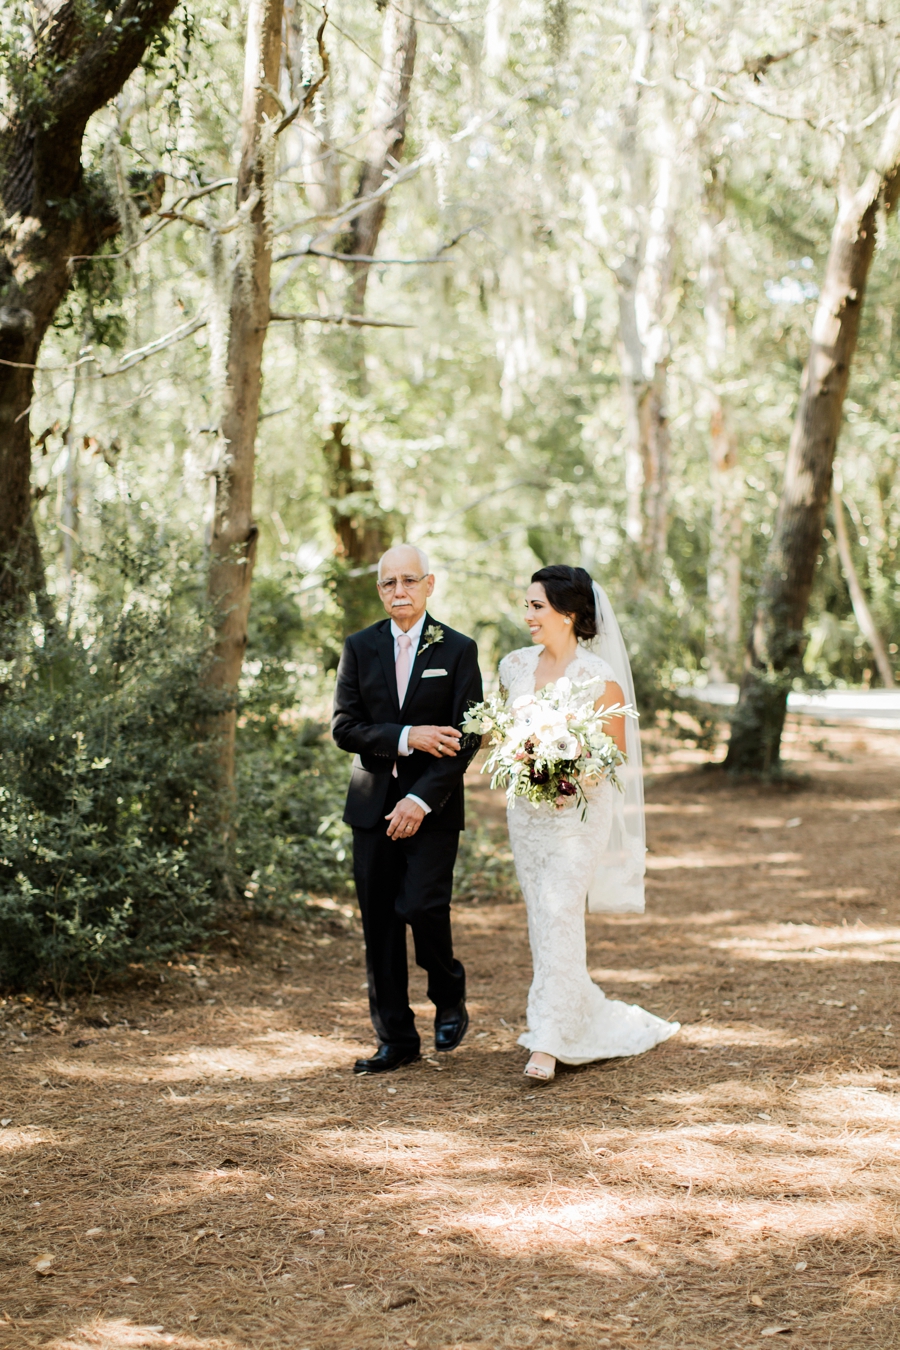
x,y
566,789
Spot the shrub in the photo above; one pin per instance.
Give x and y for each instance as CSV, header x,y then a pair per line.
x,y
291,777
108,841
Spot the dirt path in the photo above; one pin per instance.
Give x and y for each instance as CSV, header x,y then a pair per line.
x,y
194,1165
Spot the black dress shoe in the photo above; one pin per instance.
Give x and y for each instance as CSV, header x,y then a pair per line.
x,y
450,1026
386,1059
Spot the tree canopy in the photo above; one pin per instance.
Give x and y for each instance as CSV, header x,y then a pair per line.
x,y
543,283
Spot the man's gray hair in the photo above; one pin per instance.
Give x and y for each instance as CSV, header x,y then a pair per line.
x,y
422,556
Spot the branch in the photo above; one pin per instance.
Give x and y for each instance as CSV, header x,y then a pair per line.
x,y
164,218
338,219
140,354
737,100
98,74
860,604
758,65
354,320
435,257
288,114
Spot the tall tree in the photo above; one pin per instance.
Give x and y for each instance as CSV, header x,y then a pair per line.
x,y
361,529
234,533
723,571
644,285
861,610
775,646
54,210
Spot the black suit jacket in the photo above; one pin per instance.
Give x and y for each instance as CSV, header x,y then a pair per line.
x,y
368,720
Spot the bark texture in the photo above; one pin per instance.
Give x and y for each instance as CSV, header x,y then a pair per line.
x,y
861,611
775,647
234,533
644,283
723,572
52,210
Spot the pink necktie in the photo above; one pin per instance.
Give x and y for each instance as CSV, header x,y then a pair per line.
x,y
404,643
401,666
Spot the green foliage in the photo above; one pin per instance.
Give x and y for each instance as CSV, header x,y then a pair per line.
x,y
291,782
93,308
109,849
484,865
291,778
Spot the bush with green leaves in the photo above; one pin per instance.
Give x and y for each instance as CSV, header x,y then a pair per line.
x,y
291,777
110,848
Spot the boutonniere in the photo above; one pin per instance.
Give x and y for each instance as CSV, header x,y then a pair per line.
x,y
433,634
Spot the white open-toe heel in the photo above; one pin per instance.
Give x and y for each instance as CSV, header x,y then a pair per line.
x,y
541,1073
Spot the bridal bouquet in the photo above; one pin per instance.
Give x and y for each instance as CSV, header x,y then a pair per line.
x,y
547,746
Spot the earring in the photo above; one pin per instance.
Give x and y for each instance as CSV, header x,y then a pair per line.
x,y
568,620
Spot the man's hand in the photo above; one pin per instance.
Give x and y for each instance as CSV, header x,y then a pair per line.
x,y
406,817
442,742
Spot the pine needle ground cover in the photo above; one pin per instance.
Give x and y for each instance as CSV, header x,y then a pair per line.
x,y
192,1165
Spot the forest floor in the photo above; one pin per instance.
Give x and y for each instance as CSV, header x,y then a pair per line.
x,y
192,1164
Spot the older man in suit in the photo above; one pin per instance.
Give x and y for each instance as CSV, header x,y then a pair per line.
x,y
403,687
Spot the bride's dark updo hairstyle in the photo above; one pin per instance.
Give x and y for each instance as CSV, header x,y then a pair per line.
x,y
570,591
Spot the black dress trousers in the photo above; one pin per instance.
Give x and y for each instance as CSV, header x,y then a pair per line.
x,y
400,882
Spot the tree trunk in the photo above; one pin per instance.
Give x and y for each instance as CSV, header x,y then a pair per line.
x,y
723,573
644,282
234,533
362,530
775,647
861,611
53,210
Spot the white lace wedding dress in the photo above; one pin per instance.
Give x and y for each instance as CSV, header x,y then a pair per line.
x,y
557,856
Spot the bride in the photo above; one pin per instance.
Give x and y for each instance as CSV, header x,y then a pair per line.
x,y
562,859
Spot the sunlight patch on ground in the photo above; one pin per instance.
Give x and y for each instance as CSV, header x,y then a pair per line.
x,y
271,1056
636,976
274,1055
851,1106
424,1154
700,860
874,804
698,919
810,942
121,1334
27,1136
709,1034
606,1219
758,1159
610,1222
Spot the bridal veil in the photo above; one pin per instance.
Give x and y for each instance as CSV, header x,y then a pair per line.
x,y
618,884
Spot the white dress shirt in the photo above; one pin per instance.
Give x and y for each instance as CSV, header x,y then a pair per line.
x,y
403,749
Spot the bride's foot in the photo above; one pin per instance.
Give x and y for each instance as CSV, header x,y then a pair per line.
x,y
541,1067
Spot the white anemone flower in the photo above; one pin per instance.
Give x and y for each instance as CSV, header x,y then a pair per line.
x,y
566,747
550,729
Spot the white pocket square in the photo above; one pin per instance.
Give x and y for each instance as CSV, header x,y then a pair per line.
x,y
430,674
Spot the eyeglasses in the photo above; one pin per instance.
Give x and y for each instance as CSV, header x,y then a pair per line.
x,y
408,583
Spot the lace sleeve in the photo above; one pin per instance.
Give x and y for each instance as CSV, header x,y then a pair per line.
x,y
601,671
503,675
516,672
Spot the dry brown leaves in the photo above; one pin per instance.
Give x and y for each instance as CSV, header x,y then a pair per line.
x,y
192,1164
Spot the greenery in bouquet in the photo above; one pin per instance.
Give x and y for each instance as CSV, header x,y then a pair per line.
x,y
548,746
